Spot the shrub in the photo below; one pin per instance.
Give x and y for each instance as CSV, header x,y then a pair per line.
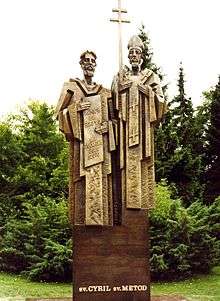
x,y
183,241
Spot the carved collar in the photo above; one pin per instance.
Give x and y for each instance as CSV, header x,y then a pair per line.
x,y
127,77
88,89
127,74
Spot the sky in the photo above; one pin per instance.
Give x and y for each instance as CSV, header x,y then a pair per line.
x,y
41,41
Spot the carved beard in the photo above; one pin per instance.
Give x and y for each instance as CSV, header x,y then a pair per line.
x,y
136,64
89,70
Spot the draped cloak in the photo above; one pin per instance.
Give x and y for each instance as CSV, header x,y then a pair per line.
x,y
139,105
91,140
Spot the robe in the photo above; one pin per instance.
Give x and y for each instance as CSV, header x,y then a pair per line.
x,y
91,141
139,105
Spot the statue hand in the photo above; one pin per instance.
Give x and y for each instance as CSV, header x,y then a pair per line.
x,y
148,90
102,128
145,89
83,106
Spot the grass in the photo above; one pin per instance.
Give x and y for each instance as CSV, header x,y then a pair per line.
x,y
18,288
201,288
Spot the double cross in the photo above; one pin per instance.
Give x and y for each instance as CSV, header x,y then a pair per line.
x,y
119,20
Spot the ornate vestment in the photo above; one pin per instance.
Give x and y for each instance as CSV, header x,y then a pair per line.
x,y
90,135
139,103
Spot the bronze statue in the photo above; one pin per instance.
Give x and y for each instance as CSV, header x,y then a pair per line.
x,y
83,111
139,103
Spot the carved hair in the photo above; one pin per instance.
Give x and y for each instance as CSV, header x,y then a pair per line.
x,y
82,56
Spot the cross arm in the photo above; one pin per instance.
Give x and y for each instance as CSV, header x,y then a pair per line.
x,y
120,21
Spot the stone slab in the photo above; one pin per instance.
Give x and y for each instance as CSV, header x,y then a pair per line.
x,y
93,148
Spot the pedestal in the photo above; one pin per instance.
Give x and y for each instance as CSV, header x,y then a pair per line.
x,y
112,263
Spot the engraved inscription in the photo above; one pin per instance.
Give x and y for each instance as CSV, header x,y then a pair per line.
x,y
92,118
107,288
133,178
94,206
93,149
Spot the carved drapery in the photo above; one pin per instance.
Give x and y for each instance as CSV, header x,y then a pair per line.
x,y
139,100
90,135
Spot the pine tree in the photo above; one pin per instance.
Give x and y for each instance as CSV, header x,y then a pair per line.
x,y
212,176
148,54
175,155
160,132
148,58
182,112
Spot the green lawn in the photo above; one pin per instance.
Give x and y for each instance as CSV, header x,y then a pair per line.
x,y
203,288
20,288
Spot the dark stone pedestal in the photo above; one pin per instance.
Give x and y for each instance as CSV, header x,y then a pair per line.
x,y
111,263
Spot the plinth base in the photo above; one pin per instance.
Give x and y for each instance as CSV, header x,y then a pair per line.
x,y
111,263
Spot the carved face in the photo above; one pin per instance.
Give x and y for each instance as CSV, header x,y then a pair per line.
x,y
88,64
135,56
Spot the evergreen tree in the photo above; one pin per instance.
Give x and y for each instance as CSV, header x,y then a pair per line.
x,y
182,111
160,133
34,230
148,53
212,176
175,156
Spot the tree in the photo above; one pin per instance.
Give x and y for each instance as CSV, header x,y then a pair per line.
x,y
10,156
42,146
184,241
160,131
35,234
175,156
212,175
148,53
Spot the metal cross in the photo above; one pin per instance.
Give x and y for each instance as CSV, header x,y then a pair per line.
x,y
119,20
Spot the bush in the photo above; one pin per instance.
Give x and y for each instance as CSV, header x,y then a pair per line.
x,y
39,244
183,241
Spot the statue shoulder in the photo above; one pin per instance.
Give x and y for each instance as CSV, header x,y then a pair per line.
x,y
151,77
125,73
69,85
147,72
68,89
105,91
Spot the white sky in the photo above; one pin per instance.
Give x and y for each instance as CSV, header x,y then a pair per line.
x,y
41,41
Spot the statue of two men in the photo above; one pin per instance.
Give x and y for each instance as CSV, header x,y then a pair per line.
x,y
110,134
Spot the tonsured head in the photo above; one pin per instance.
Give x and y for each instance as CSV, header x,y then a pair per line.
x,y
135,48
88,63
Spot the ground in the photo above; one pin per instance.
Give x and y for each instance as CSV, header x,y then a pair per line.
x,y
168,298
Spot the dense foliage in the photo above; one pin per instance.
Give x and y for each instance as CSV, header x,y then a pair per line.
x,y
184,241
212,175
178,160
35,234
